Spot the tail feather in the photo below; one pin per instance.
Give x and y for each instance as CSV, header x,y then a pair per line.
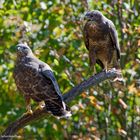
x,y
58,109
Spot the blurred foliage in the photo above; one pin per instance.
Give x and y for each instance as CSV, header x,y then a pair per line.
x,y
53,28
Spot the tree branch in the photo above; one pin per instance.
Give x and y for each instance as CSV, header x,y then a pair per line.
x,y
24,120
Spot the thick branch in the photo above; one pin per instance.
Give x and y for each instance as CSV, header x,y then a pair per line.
x,y
69,96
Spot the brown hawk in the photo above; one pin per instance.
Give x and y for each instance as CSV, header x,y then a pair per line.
x,y
101,39
35,80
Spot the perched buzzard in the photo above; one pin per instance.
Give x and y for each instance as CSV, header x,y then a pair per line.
x,y
35,80
101,40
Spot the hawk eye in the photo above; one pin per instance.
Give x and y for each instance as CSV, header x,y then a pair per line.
x,y
24,48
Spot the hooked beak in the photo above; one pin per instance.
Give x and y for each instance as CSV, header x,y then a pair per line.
x,y
87,16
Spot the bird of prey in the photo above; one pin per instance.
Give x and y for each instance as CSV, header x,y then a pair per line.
x,y
35,80
101,40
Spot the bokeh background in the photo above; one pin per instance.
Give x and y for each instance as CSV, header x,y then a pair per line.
x,y
54,30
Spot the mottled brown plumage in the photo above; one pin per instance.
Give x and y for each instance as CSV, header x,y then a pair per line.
x,y
35,80
101,40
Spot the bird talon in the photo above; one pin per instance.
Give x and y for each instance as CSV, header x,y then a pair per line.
x,y
29,112
105,70
41,105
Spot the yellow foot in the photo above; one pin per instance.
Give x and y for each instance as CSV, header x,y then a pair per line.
x,y
41,105
29,112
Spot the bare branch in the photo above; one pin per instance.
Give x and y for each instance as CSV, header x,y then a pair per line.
x,y
69,96
92,81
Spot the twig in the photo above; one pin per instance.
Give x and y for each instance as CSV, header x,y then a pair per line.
x,y
69,96
120,18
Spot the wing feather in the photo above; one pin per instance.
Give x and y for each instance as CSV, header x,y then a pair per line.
x,y
114,37
49,74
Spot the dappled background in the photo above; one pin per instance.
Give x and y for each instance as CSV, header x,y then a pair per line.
x,y
53,29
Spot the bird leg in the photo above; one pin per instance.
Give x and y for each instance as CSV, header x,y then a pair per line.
x,y
28,106
92,59
41,105
105,66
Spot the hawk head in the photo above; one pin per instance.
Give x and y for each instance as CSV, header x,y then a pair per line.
x,y
95,16
23,50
